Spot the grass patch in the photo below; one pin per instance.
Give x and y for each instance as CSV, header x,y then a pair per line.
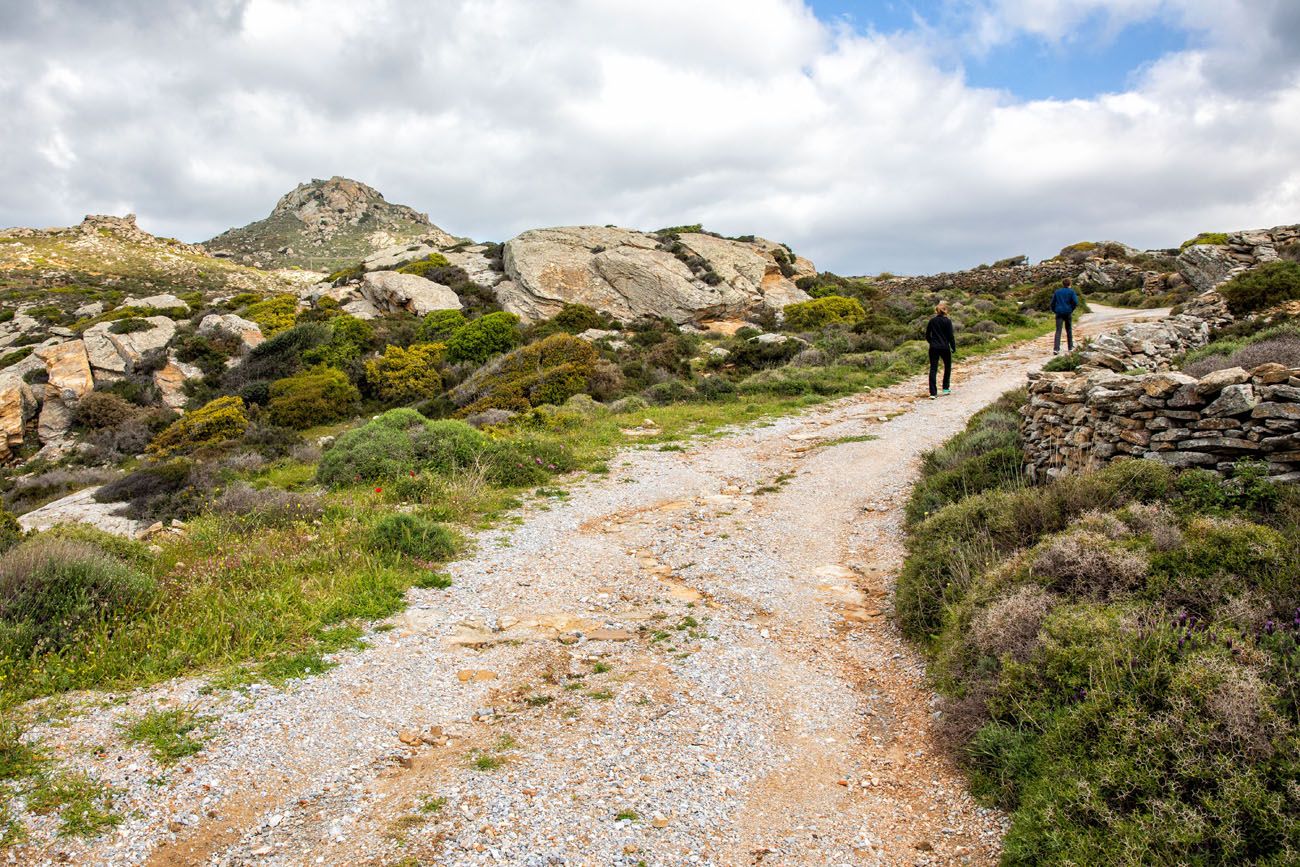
x,y
83,804
169,734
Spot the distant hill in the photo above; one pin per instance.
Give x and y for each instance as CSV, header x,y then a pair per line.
x,y
324,225
107,258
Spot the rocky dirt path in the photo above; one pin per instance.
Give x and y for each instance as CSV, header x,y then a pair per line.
x,y
687,661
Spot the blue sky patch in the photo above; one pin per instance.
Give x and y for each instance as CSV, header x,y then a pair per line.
x,y
1096,58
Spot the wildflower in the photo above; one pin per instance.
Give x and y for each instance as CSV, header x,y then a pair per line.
x,y
1268,627
379,490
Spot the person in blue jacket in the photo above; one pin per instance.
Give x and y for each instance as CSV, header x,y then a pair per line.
x,y
1064,300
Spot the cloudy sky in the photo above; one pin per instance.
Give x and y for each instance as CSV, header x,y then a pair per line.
x,y
903,136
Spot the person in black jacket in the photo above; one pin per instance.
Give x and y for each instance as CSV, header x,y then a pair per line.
x,y
943,343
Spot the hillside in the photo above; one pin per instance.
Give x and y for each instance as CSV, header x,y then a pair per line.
x,y
325,225
106,258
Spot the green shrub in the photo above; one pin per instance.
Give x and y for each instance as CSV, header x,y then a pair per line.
x,y
1263,287
577,318
130,325
317,396
413,536
447,446
373,452
948,550
275,314
1219,238
422,267
103,409
526,462
216,422
483,338
1221,559
349,339
10,531
342,275
279,356
440,325
1062,363
14,357
820,312
549,371
406,375
54,592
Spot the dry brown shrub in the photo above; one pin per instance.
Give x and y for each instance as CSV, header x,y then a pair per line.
x,y
1083,563
1010,624
1103,523
1156,520
960,718
1241,704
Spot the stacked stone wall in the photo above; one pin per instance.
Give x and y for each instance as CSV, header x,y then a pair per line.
x,y
1076,422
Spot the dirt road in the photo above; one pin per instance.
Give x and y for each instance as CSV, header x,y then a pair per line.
x,y
686,661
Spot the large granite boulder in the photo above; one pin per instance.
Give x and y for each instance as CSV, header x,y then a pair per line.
x,y
69,369
391,292
113,355
17,406
171,378
630,274
249,333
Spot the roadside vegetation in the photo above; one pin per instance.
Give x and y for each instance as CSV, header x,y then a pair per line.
x,y
1117,651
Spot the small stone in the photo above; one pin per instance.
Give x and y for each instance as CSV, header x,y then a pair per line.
x,y
529,793
410,738
659,822
475,674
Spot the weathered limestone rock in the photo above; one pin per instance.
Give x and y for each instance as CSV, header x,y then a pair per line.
x,y
17,406
392,292
157,302
81,508
249,333
391,257
1233,400
1216,381
170,380
626,274
119,353
1207,265
55,419
361,309
69,369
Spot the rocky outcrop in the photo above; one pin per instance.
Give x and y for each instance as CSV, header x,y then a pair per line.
x,y
630,274
1076,422
171,378
17,406
1153,346
157,302
1205,266
81,508
391,292
69,369
117,354
324,225
249,333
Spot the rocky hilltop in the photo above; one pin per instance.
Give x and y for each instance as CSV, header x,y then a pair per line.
x,y
324,225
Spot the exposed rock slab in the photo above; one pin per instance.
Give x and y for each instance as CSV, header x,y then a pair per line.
x,y
17,406
392,292
249,333
81,508
625,273
69,368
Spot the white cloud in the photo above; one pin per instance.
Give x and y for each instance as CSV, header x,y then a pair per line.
x,y
500,115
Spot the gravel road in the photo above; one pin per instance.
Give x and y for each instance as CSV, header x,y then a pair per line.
x,y
689,660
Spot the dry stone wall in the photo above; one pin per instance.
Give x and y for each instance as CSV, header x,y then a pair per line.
x,y
1080,422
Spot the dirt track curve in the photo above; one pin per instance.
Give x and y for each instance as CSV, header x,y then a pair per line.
x,y
738,694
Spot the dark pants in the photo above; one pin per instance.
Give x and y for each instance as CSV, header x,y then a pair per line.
x,y
1066,320
935,355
